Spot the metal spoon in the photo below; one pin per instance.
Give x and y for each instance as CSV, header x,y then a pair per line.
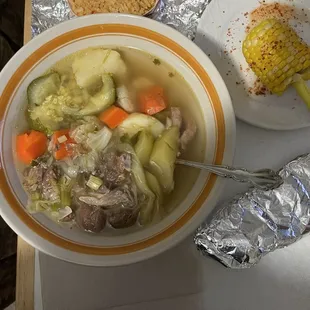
x,y
264,179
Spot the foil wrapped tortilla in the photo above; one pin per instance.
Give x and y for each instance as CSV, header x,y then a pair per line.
x,y
182,15
259,222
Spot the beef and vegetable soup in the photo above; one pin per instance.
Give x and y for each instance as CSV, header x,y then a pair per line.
x,y
104,129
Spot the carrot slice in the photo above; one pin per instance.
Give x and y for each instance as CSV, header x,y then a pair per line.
x,y
37,144
63,132
62,150
21,144
152,100
113,116
30,146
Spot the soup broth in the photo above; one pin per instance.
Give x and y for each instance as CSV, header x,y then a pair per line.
x,y
141,68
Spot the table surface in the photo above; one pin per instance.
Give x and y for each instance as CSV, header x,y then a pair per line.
x,y
180,278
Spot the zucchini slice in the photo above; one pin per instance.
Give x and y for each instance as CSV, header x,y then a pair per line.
x,y
42,87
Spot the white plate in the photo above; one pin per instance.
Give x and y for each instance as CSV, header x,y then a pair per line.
x,y
271,112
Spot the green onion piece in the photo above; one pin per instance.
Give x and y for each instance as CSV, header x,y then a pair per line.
x,y
35,196
65,198
94,182
65,184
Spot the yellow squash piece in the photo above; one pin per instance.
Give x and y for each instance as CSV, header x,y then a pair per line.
x,y
279,57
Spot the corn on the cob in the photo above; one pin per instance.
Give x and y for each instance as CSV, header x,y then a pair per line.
x,y
277,55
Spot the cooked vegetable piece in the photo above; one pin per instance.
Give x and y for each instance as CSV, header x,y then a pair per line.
x,y
84,127
37,91
89,67
62,149
87,162
113,116
65,185
63,134
152,100
99,140
144,146
147,209
162,160
42,87
277,54
163,115
156,189
94,182
136,122
35,196
36,124
124,99
21,147
121,196
102,100
56,111
30,146
63,214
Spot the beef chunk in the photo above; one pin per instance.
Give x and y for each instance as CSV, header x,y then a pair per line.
x,y
114,168
91,218
123,217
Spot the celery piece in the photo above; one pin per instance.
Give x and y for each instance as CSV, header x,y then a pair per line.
x,y
156,189
94,182
163,157
65,184
144,146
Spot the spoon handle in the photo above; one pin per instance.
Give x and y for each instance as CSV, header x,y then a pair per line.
x,y
264,179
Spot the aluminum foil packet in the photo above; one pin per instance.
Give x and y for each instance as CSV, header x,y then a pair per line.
x,y
259,222
183,15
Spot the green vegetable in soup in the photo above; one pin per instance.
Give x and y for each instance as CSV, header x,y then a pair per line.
x,y
36,124
38,90
94,182
147,209
136,122
163,157
156,189
99,140
84,127
56,111
65,185
87,162
42,87
162,116
144,146
101,100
